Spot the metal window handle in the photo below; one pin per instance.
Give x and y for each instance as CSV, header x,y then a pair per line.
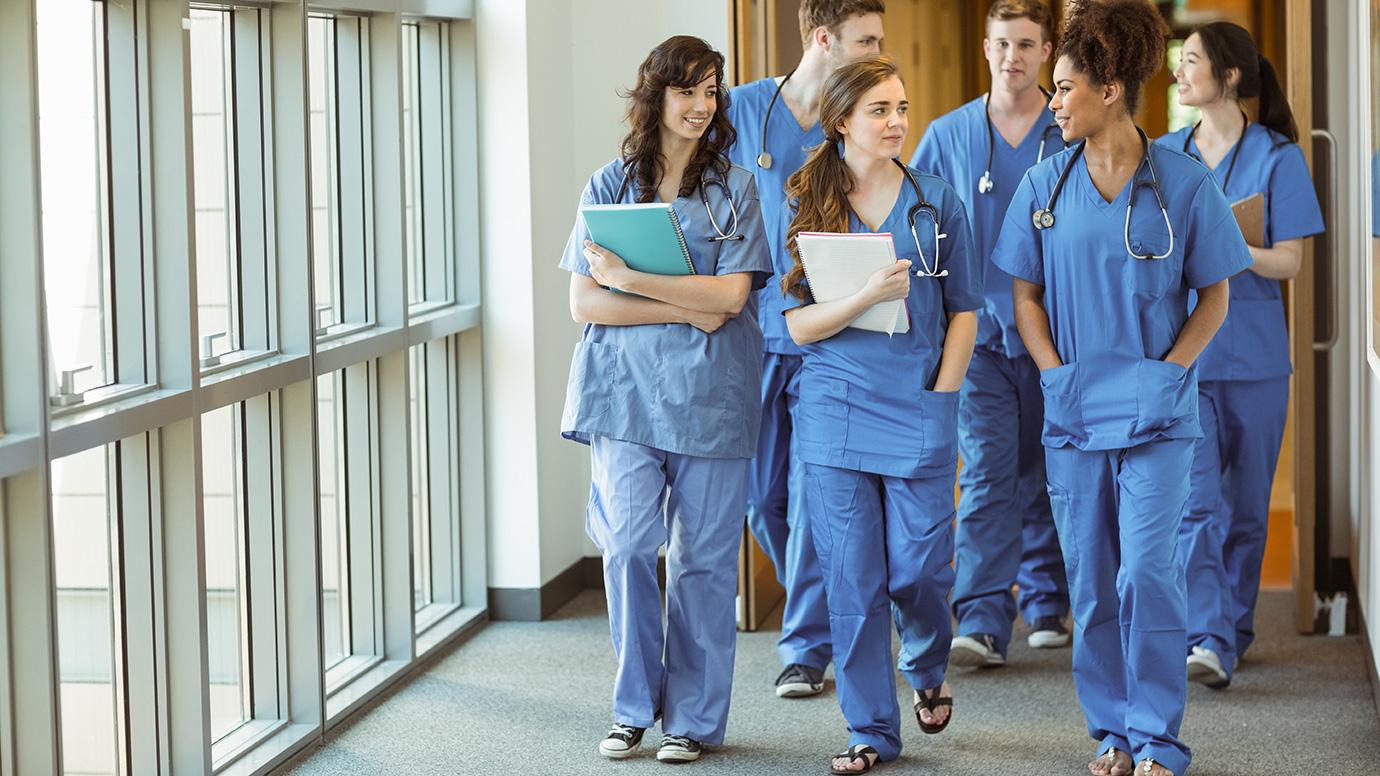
x,y
321,308
208,356
1333,243
67,394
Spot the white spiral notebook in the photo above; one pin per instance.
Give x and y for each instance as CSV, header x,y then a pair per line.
x,y
838,265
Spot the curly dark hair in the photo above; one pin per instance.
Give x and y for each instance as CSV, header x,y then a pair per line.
x,y
681,61
1115,41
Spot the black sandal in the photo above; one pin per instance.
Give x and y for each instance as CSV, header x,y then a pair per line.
x,y
929,701
855,752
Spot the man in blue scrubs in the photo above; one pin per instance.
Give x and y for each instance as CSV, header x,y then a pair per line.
x,y
777,120
1005,532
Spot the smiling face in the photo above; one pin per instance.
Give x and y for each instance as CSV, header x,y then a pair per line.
x,y
1197,84
1015,49
877,124
855,38
1081,107
686,110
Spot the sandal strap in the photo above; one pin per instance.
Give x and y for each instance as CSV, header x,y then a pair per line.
x,y
931,702
858,752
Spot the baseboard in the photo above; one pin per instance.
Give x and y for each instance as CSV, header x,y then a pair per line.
x,y
532,604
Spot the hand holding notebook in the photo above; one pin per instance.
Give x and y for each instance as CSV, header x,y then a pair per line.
x,y
839,265
1250,217
647,236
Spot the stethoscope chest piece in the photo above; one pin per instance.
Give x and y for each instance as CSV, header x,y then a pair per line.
x,y
764,160
985,183
1042,218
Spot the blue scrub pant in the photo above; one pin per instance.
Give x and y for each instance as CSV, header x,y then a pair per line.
x,y
1005,532
1222,542
776,516
1118,513
884,544
642,498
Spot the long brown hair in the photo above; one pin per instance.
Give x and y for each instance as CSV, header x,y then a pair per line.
x,y
819,189
680,61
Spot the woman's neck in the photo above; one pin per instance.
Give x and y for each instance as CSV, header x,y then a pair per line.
x,y
1222,120
869,171
677,151
1115,145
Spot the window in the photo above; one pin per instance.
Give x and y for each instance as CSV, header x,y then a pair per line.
x,y
84,551
340,179
427,163
231,200
434,478
224,490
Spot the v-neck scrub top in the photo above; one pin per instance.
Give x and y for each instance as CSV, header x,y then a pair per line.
x,y
867,399
1113,317
789,144
1253,343
669,385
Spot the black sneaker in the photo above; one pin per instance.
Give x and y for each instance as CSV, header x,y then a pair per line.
x,y
976,650
799,681
1048,633
678,749
621,742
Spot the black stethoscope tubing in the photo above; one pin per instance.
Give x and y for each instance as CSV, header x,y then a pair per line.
x,y
763,156
985,183
1235,151
923,206
719,234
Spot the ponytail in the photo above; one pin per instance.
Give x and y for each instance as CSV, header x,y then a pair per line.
x,y
819,190
1229,46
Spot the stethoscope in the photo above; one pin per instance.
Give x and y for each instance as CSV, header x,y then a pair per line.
x,y
1044,217
923,206
764,157
985,183
719,234
1231,165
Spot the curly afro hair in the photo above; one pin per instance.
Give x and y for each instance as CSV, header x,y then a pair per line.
x,y
1115,41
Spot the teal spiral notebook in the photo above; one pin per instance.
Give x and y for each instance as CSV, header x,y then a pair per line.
x,y
646,235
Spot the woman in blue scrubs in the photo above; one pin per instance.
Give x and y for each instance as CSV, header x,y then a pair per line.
x,y
1105,241
663,389
879,414
1005,533
1243,388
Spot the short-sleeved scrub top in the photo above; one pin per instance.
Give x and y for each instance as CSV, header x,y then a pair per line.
x,y
671,386
867,400
955,148
789,144
1114,317
1253,343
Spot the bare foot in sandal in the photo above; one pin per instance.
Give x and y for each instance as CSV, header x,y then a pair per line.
x,y
858,759
1112,762
934,708
1149,767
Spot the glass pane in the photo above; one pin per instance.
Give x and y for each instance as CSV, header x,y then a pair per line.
x,y
223,499
335,593
324,172
217,254
412,175
73,160
421,479
87,650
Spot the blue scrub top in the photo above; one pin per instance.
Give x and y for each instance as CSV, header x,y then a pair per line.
x,y
866,402
788,145
670,385
955,148
1253,343
1114,317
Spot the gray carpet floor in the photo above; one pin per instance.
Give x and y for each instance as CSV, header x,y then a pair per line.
x,y
533,698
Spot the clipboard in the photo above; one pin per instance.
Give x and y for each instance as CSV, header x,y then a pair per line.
x,y
1250,217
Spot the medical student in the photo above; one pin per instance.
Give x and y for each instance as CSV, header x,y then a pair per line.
x,y
1005,533
663,389
1105,241
1243,376
879,414
777,120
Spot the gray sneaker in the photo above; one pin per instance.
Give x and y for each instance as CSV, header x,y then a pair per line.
x,y
621,741
977,650
799,681
678,749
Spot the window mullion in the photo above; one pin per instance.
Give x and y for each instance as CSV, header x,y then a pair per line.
x,y
252,208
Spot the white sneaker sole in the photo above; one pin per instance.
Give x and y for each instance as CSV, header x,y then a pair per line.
x,y
969,653
798,690
617,754
1204,673
676,756
1047,639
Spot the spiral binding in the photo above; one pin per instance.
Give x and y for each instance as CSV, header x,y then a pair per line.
x,y
680,238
